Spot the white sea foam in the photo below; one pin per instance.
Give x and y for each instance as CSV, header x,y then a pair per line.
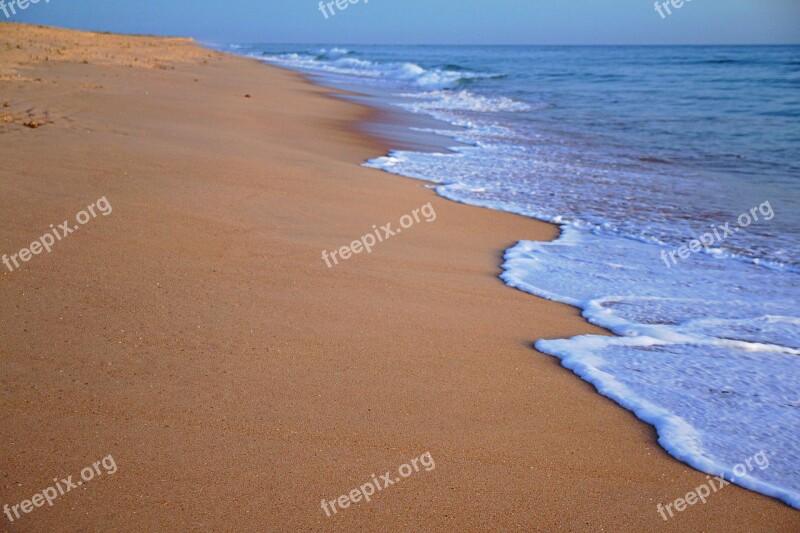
x,y
707,352
714,382
334,52
713,366
461,101
337,61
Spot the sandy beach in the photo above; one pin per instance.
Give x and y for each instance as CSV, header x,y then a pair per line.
x,y
195,333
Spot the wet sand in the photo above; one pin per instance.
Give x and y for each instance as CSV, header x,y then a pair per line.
x,y
196,335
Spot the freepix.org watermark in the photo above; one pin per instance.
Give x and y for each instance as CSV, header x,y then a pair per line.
x,y
374,485
49,239
10,9
714,484
326,7
378,235
709,238
50,494
664,6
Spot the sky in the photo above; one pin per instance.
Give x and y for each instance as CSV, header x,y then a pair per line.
x,y
433,21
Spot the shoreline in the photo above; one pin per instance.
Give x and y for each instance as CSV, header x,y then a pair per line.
x,y
197,336
405,135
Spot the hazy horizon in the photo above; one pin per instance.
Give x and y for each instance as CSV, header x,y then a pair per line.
x,y
504,22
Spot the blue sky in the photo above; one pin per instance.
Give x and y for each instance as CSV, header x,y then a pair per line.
x,y
434,21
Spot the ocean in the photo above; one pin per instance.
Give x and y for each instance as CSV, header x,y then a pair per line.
x,y
635,152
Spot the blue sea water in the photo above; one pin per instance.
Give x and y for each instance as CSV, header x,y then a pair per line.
x,y
633,151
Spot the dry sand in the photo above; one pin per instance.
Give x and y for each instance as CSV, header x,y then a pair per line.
x,y
196,335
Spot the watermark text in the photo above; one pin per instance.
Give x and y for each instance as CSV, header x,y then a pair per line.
x,y
56,233
377,484
50,494
368,241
